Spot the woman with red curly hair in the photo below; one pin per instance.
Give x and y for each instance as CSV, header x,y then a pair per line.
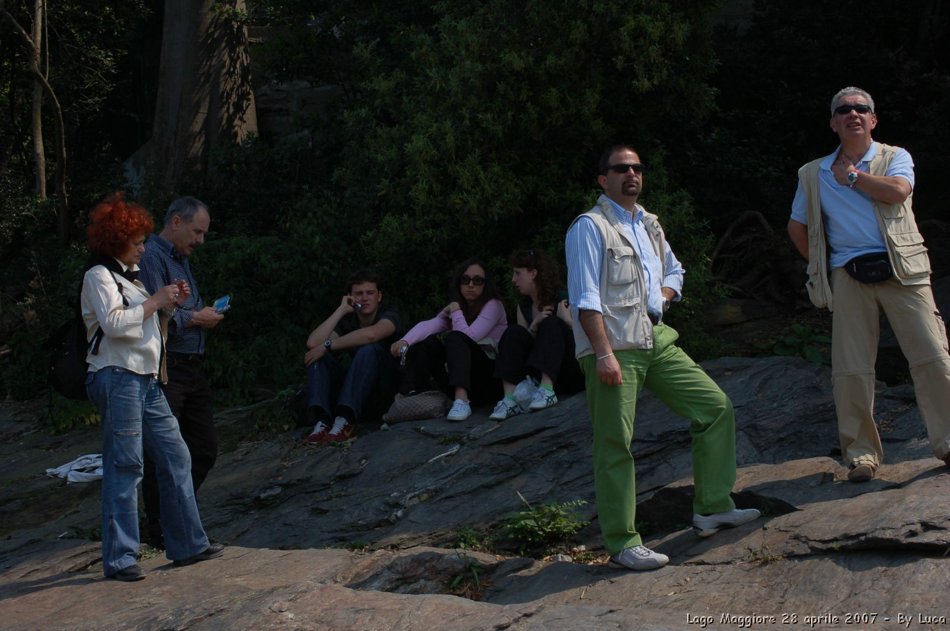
x,y
124,326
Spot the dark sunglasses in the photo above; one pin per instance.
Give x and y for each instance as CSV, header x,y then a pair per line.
x,y
623,168
860,108
478,281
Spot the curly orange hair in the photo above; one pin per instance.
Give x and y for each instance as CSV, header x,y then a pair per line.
x,y
114,223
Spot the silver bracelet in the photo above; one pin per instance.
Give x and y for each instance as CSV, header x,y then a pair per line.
x,y
605,356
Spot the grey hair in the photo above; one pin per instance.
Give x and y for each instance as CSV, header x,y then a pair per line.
x,y
851,91
186,208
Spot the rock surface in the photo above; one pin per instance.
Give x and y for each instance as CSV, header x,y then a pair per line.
x,y
364,535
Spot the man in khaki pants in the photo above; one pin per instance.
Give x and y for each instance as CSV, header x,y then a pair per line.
x,y
852,217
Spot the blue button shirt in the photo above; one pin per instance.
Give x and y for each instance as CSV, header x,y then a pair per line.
x,y
161,265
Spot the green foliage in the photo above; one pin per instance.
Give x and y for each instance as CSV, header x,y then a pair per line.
x,y
468,583
803,341
66,415
544,525
276,417
471,539
773,110
459,132
33,304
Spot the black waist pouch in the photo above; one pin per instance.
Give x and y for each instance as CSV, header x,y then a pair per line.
x,y
870,268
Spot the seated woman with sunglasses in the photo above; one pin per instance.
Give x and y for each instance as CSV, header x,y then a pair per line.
x,y
538,351
475,320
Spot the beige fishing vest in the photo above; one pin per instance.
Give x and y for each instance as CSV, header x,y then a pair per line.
x,y
905,245
622,287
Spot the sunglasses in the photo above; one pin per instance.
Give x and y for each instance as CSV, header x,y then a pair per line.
x,y
478,281
623,168
860,108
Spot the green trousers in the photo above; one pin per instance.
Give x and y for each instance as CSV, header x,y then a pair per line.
x,y
686,388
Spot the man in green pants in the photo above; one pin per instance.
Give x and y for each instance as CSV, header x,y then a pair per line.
x,y
622,276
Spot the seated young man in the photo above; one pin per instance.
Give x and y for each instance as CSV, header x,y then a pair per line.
x,y
364,328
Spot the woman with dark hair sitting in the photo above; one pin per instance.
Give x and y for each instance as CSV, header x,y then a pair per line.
x,y
125,327
475,319
538,351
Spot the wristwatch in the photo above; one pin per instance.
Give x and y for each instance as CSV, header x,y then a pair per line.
x,y
328,344
852,179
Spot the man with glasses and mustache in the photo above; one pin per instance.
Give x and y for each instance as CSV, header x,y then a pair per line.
x,y
363,327
852,221
622,277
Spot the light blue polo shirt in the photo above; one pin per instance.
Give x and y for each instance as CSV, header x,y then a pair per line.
x,y
850,222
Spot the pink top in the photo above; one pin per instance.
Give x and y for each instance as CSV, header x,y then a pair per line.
x,y
490,322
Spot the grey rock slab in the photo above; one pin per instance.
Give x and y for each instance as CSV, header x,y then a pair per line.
x,y
289,512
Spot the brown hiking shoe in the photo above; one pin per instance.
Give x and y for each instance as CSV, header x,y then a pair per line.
x,y
861,473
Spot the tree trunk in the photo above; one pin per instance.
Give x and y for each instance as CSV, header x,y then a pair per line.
x,y
204,88
62,200
39,151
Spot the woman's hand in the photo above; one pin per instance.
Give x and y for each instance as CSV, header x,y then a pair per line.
x,y
184,290
451,308
564,312
396,349
168,295
543,313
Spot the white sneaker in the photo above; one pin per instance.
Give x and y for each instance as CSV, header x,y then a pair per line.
x,y
460,411
524,392
543,398
506,408
708,525
639,558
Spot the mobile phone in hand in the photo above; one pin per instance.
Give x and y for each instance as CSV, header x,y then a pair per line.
x,y
222,304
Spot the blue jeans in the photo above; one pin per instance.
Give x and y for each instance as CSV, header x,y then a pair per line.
x,y
345,392
135,414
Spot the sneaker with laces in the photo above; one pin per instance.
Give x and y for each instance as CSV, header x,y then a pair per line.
x,y
318,434
708,525
460,411
524,392
505,409
341,430
639,558
543,398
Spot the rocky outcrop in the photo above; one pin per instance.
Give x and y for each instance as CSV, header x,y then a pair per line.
x,y
364,535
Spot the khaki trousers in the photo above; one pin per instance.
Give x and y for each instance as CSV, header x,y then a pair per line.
x,y
922,336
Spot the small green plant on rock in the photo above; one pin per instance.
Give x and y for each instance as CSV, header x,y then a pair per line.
x,y
544,525
64,415
468,583
803,341
471,539
277,416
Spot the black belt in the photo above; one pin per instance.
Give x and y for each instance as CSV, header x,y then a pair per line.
x,y
185,358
